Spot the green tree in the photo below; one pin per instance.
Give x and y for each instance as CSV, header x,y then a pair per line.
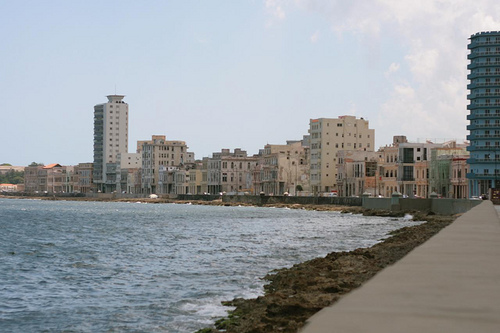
x,y
35,164
12,177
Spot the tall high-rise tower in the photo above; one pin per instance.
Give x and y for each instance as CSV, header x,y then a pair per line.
x,y
484,110
110,139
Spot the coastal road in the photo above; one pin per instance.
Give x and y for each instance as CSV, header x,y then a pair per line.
x,y
451,283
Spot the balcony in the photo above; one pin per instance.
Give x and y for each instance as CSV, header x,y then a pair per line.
x,y
477,95
483,147
482,105
472,76
483,160
482,126
475,44
474,85
475,136
483,115
406,179
482,54
483,176
482,64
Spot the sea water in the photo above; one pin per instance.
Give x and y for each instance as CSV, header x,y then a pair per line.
x,y
68,266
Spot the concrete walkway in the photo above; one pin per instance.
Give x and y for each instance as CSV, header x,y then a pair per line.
x,y
451,283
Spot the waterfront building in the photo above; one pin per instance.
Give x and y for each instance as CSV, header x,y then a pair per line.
x,y
160,157
34,180
231,172
484,108
418,169
45,178
9,187
69,179
413,168
327,137
282,169
197,178
110,140
357,173
128,165
84,178
388,167
448,169
459,184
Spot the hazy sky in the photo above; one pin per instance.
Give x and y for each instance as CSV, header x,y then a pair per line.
x,y
227,74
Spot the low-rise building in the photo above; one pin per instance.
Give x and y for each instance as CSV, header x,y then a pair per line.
x,y
84,183
447,167
357,172
231,172
282,169
45,179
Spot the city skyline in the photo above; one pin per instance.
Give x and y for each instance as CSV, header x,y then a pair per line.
x,y
227,75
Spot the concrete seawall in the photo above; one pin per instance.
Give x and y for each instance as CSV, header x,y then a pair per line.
x,y
451,283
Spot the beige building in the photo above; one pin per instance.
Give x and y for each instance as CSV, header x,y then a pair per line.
x,y
231,172
327,137
413,168
128,166
418,169
388,167
45,179
197,178
357,173
160,153
282,169
84,178
459,183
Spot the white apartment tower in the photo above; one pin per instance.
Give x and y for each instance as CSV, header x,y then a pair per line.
x,y
110,139
327,137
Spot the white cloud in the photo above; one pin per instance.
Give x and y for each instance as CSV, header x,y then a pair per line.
x,y
393,68
429,91
314,37
275,9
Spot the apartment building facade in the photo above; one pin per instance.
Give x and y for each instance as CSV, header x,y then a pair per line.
x,y
357,173
282,169
231,172
328,136
448,171
84,182
50,178
110,139
484,108
161,156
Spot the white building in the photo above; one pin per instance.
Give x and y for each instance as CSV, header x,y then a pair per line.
x,y
110,139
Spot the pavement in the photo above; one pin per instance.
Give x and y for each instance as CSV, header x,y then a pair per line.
x,y
451,283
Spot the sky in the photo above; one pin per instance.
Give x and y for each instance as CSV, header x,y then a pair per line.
x,y
231,74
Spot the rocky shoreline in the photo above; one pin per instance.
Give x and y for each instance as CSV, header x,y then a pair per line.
x,y
294,294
